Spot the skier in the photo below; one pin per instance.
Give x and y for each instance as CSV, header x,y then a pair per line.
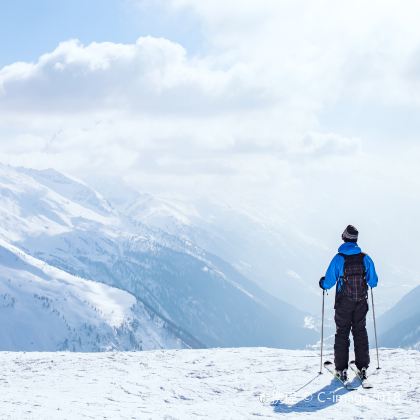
x,y
352,271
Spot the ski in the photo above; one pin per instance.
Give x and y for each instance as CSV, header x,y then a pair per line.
x,y
364,382
327,366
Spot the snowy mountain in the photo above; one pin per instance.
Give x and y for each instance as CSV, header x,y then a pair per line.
x,y
74,190
238,237
44,308
220,384
281,258
400,326
68,225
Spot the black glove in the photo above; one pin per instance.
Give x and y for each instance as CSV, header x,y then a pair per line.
x,y
321,283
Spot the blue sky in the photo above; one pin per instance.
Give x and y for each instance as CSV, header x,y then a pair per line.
x,y
31,28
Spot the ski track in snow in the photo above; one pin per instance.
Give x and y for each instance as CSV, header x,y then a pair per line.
x,y
242,383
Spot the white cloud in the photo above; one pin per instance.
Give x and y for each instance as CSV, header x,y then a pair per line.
x,y
319,49
149,108
154,75
319,144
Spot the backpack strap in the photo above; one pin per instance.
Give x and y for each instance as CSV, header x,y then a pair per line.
x,y
340,280
363,261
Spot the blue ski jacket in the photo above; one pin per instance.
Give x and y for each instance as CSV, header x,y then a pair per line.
x,y
335,270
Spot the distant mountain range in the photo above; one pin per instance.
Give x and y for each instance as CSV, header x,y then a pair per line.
x,y
400,326
270,256
195,297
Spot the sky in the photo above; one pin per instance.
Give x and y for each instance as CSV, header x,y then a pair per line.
x,y
306,112
29,29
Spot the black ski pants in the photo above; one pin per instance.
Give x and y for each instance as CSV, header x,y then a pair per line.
x,y
351,315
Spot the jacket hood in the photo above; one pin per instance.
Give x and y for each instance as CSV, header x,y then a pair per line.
x,y
349,248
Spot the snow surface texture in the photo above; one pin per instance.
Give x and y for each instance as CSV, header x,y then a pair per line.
x,y
215,384
44,308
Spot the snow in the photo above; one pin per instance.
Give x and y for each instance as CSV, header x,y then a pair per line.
x,y
73,189
213,383
65,223
44,308
236,235
31,207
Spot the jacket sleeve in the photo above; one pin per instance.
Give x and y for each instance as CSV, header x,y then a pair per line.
x,y
334,271
371,276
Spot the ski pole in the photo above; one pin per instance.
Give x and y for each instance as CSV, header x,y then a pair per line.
x,y
374,327
322,328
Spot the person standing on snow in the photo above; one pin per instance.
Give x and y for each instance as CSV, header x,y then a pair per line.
x,y
352,271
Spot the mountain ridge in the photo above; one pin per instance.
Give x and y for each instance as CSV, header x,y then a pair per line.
x,y
180,281
400,325
44,308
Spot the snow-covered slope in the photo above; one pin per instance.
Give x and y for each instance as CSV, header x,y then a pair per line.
x,y
241,383
65,223
29,208
269,254
203,296
44,308
400,326
279,256
72,189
